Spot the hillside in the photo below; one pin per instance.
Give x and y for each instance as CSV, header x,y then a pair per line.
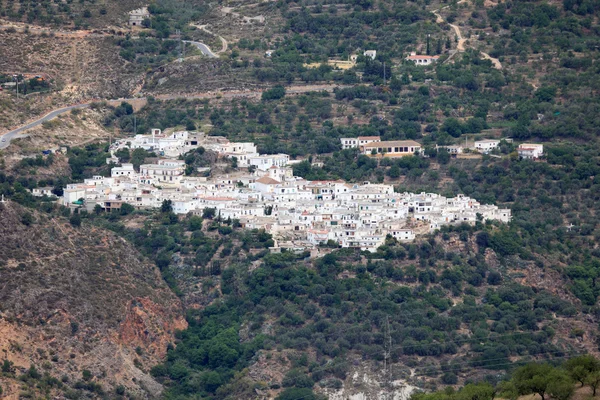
x,y
74,300
92,304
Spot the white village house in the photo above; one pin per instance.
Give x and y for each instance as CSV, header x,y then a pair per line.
x,y
351,143
422,59
370,53
300,214
136,17
392,148
530,151
486,145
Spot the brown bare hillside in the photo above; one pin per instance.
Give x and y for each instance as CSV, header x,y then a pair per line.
x,y
80,68
75,299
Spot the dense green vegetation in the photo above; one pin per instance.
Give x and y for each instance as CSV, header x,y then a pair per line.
x,y
461,303
336,305
556,380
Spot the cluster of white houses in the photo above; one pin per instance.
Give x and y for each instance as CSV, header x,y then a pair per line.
x,y
301,214
179,143
373,145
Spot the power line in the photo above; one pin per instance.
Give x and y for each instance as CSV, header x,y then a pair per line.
x,y
404,314
491,365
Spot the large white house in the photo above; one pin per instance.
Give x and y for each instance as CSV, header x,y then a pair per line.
x,y
165,172
422,59
125,169
530,151
486,145
392,148
264,162
351,143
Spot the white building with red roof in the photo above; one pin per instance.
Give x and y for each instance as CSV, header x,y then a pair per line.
x,y
530,151
422,59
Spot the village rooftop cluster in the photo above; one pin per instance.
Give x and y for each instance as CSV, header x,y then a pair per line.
x,y
264,194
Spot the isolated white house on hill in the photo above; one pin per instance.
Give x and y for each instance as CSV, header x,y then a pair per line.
x,y
370,53
530,151
422,60
486,145
136,17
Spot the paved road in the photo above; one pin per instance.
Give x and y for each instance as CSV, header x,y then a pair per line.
x,y
15,134
203,48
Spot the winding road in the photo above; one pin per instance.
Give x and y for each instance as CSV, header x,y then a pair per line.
x,y
203,48
460,46
17,133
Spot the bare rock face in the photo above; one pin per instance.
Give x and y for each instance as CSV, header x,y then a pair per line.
x,y
75,299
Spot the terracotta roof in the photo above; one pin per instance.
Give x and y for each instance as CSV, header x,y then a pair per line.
x,y
318,232
219,198
268,181
394,143
368,138
422,57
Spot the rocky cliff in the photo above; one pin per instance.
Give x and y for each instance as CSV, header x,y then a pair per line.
x,y
81,305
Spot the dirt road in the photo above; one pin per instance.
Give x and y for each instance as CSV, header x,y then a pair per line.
x,y
460,46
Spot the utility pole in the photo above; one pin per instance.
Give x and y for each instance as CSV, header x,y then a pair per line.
x,y
17,81
387,360
178,33
428,48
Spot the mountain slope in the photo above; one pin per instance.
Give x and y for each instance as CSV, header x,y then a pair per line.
x,y
75,300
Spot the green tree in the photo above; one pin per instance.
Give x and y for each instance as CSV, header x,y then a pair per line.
x,y
508,390
209,213
298,393
211,381
580,367
75,220
276,93
534,378
27,218
476,391
561,386
190,125
593,379
195,223
166,206
7,366
86,375
127,209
